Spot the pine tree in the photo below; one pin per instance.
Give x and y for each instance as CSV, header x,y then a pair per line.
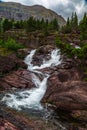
x,y
30,25
74,22
7,24
55,24
83,27
71,24
68,26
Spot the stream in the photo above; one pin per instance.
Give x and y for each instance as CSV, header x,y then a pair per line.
x,y
29,101
32,98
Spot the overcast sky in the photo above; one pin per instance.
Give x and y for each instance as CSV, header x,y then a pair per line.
x,y
62,7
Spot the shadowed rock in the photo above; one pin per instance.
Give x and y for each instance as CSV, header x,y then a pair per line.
x,y
18,79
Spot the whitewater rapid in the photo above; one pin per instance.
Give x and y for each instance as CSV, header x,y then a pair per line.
x,y
32,98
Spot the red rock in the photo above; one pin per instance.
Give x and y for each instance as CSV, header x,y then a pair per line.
x,y
10,63
18,79
66,90
6,64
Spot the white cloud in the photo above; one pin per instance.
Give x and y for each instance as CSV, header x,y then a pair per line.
x,y
62,7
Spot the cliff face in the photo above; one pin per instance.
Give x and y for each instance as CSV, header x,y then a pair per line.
x,y
17,11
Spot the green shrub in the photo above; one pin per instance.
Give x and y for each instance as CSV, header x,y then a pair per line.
x,y
65,47
10,44
59,43
70,51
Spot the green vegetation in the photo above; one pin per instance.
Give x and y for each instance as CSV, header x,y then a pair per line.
x,y
72,52
75,32
83,27
72,25
10,44
29,25
32,24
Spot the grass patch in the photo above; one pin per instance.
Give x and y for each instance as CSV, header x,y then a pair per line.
x,y
10,45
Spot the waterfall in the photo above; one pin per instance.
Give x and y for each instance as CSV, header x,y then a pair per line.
x,y
32,98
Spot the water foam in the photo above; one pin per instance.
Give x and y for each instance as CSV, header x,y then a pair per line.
x,y
32,98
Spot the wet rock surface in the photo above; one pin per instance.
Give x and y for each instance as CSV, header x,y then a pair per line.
x,y
66,92
17,79
13,120
42,53
10,119
9,63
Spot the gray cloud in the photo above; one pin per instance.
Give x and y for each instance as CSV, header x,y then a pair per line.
x,y
62,7
64,10
72,6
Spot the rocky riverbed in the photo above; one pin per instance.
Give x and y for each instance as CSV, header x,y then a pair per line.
x,y
66,94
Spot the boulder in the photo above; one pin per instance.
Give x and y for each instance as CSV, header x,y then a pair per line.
x,y
6,64
69,95
67,92
17,79
9,63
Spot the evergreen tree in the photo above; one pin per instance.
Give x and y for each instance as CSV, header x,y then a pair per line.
x,y
74,22
83,27
42,22
55,24
71,24
7,24
68,26
38,25
30,24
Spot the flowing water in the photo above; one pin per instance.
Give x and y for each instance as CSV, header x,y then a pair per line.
x,y
31,98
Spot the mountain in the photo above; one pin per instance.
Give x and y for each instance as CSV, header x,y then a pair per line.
x,y
18,11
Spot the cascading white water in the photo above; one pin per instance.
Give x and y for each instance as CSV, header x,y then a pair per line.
x,y
54,60
31,98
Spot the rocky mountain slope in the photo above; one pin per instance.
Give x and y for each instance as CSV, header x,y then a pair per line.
x,y
18,11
